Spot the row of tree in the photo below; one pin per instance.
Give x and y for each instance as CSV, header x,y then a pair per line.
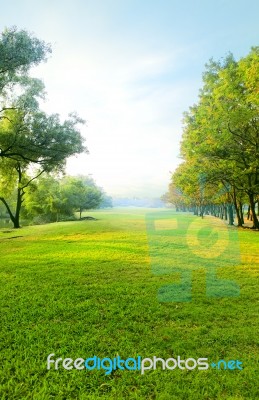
x,y
220,144
32,143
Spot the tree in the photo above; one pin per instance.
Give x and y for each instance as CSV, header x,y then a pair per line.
x,y
53,198
43,142
230,101
31,142
44,200
221,131
80,194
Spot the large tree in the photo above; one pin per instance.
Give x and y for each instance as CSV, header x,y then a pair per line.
x,y
42,143
31,142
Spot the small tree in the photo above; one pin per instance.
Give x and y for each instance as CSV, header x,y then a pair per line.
x,y
80,194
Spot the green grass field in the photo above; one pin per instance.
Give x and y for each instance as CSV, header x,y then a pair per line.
x,y
85,288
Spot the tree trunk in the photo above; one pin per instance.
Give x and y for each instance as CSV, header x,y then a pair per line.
x,y
16,222
230,215
15,218
20,193
253,212
218,212
248,213
240,206
221,211
239,219
18,208
12,217
225,212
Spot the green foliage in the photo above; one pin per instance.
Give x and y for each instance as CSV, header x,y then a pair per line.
x,y
35,137
52,198
19,50
31,142
221,134
79,194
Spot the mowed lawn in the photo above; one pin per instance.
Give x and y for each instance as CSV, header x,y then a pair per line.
x,y
85,288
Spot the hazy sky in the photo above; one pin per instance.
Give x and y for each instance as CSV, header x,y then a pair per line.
x,y
131,68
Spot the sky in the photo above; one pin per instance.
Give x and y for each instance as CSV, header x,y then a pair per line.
x,y
130,69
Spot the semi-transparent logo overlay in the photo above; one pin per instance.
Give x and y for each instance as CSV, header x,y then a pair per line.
x,y
180,243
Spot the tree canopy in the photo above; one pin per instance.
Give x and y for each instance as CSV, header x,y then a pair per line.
x,y
221,138
53,198
19,51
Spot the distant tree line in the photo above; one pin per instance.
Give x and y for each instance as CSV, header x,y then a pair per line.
x,y
32,143
137,202
220,144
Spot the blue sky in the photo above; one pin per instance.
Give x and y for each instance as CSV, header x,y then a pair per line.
x,y
131,68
